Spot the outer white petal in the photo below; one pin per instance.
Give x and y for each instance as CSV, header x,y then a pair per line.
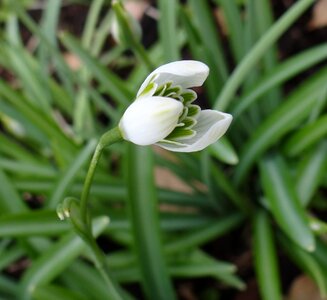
x,y
186,73
211,125
150,119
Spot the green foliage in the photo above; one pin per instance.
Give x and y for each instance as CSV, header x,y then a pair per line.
x,y
268,173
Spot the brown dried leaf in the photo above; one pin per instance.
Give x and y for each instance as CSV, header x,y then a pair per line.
x,y
319,18
303,288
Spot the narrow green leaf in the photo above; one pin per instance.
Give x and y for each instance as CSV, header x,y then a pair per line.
x,y
207,29
52,262
34,223
10,200
65,181
145,223
110,82
284,203
258,51
224,151
311,173
9,256
55,292
8,288
285,70
307,262
294,109
235,29
265,258
306,136
167,29
204,234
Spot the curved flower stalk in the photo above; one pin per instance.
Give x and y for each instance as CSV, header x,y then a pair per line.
x,y
163,112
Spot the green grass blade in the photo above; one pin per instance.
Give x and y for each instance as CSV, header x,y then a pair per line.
x,y
67,178
259,49
311,173
10,200
224,151
52,262
54,292
205,234
35,223
115,86
235,29
207,29
284,203
306,137
265,258
280,74
168,28
295,108
307,262
145,223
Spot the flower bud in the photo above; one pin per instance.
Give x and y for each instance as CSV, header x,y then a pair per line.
x,y
150,119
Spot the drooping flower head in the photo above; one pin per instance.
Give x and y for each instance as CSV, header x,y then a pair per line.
x,y
164,114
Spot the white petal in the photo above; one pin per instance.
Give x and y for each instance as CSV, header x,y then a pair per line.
x,y
186,73
150,119
211,125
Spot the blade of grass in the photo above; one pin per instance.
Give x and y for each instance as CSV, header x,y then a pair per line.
x,y
113,85
204,234
284,71
265,258
39,119
10,198
306,137
34,223
235,27
10,256
55,292
207,29
83,118
67,178
258,50
264,21
311,173
167,29
63,70
144,218
306,261
52,262
284,203
295,108
224,151
198,51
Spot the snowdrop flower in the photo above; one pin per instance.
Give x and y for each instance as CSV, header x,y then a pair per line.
x,y
164,114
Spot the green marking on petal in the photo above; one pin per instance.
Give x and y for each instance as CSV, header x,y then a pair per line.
x,y
193,110
189,96
189,122
173,90
164,141
183,115
152,86
180,133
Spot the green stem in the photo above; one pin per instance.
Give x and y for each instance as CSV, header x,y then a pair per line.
x,y
101,265
258,51
106,139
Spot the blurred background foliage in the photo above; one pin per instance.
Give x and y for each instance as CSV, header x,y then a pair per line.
x,y
244,219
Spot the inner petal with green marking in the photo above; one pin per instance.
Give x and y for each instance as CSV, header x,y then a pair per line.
x,y
188,118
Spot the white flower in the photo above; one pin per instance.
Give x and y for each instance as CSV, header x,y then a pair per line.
x,y
150,119
164,114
